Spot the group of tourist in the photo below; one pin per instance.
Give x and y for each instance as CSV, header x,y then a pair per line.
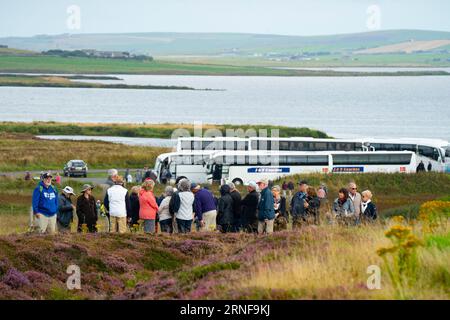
x,y
262,210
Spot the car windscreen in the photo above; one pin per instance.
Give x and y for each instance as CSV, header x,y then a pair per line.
x,y
78,164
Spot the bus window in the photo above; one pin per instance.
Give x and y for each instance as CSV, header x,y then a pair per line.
x,y
391,147
284,145
186,145
351,159
318,160
408,147
320,146
263,145
295,160
208,145
400,158
447,152
241,145
344,146
429,152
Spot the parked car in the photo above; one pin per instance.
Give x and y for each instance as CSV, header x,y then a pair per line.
x,y
75,168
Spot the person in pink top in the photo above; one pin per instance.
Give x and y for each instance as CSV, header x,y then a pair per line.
x,y
148,206
58,179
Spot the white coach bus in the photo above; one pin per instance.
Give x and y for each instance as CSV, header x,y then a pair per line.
x,y
242,167
188,144
191,165
433,153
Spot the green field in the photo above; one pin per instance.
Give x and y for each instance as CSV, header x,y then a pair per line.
x,y
425,60
51,64
48,64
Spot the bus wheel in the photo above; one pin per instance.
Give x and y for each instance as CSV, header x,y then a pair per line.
x,y
238,182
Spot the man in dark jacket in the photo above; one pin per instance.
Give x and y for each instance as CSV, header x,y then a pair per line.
x,y
236,196
421,167
266,212
249,209
225,216
298,207
65,210
291,187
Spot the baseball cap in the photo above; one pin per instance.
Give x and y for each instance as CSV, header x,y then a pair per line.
x,y
46,175
264,180
68,190
252,184
194,185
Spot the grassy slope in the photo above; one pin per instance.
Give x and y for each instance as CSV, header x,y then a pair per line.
x,y
316,263
19,153
164,130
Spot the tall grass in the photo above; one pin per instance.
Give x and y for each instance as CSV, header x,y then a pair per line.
x,y
335,266
141,130
27,153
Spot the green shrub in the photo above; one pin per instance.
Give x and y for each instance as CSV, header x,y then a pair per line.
x,y
200,272
156,259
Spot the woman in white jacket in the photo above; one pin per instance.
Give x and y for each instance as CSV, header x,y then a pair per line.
x,y
184,212
165,217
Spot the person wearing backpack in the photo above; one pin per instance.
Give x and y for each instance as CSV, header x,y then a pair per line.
x,y
181,205
45,204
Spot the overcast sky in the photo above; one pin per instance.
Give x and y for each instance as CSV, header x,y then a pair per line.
x,y
292,17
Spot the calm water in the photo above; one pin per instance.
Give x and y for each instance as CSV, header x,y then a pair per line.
x,y
343,107
152,142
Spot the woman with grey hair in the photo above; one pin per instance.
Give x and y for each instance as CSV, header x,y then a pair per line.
x,y
181,205
165,217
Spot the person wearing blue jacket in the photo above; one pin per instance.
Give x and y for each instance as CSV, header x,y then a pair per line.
x,y
45,204
266,211
204,207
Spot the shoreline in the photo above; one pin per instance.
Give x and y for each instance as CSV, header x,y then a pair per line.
x,y
44,81
139,130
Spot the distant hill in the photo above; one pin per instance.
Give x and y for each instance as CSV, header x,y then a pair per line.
x,y
407,47
221,43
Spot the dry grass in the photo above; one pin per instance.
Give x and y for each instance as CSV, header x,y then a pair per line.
x,y
20,153
335,267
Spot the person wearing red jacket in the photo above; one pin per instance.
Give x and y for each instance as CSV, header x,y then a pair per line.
x,y
148,206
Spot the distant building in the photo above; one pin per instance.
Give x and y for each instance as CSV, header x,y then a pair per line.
x,y
3,46
108,54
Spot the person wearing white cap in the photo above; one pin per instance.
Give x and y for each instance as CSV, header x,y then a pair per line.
x,y
45,204
266,212
65,210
